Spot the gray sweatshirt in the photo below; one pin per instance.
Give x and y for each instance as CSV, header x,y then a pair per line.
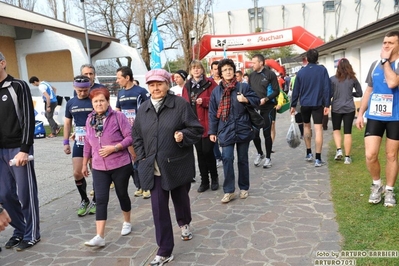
x,y
342,95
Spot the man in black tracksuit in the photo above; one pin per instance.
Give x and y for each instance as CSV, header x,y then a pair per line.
x,y
18,185
264,82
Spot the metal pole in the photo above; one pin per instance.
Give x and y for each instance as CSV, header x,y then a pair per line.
x,y
167,61
256,14
86,34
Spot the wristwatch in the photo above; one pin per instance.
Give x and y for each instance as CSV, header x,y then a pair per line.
x,y
1,209
384,60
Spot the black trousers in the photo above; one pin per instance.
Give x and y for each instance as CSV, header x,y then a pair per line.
x,y
206,160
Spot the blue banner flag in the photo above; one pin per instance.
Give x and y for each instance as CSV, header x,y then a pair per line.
x,y
156,46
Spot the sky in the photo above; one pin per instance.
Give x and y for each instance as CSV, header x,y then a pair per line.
x,y
224,6
230,5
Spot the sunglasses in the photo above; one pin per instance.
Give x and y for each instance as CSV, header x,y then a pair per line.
x,y
82,80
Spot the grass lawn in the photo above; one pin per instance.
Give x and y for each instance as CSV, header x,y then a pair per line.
x,y
60,135
363,226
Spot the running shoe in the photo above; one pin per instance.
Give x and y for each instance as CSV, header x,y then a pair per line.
x,y
243,194
319,163
13,242
146,194
259,159
186,232
83,208
348,160
25,244
126,228
96,241
228,197
92,208
375,195
138,193
159,261
389,198
338,155
268,163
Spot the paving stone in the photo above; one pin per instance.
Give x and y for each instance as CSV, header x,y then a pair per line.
x,y
286,218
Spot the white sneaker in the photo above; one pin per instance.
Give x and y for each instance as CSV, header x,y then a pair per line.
x,y
348,160
258,159
268,163
126,228
96,241
159,261
186,233
243,194
389,199
228,197
138,193
338,155
146,194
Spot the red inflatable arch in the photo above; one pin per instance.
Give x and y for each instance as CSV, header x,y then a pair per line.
x,y
275,65
255,41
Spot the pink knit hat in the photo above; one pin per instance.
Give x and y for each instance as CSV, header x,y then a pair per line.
x,y
157,75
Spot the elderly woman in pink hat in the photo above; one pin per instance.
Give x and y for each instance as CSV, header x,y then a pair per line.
x,y
164,133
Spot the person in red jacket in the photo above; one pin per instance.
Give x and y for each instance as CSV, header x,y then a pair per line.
x,y
197,91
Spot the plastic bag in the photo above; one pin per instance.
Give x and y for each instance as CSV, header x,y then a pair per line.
x,y
293,134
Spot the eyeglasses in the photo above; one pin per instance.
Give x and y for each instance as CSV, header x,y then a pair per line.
x,y
81,80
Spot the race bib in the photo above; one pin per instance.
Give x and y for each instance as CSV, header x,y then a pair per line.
x,y
381,105
80,134
130,114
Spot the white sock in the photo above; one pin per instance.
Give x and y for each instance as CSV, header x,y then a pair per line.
x,y
388,188
377,182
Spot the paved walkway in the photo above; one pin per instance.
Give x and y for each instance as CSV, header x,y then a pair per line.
x,y
287,218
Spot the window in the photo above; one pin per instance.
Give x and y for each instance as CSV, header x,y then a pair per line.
x,y
329,6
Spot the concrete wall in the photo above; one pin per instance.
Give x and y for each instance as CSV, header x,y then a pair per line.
x,y
57,58
41,44
7,47
55,66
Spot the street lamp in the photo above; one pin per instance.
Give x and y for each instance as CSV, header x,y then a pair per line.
x,y
192,34
86,35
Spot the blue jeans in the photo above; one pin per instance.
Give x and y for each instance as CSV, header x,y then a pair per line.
x,y
216,151
228,167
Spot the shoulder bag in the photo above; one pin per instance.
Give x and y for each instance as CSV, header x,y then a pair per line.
x,y
286,103
256,119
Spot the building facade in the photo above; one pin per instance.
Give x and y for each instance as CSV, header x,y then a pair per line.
x,y
328,20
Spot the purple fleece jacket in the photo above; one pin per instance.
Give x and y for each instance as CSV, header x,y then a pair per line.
x,y
116,129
